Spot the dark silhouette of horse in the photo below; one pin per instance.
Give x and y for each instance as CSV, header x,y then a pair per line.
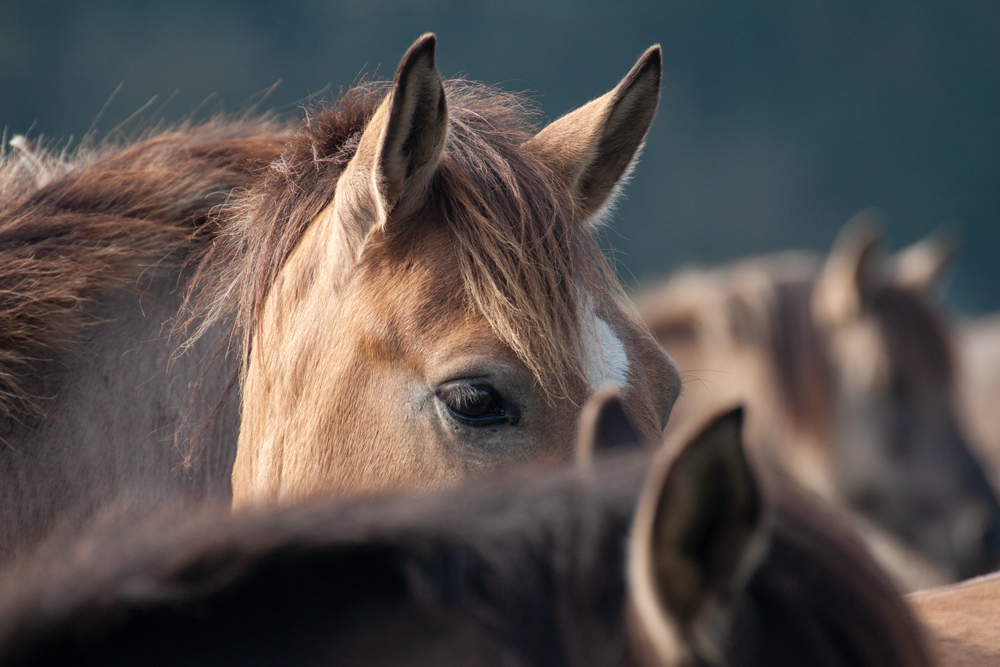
x,y
685,557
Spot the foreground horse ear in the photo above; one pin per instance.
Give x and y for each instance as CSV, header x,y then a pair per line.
x,y
696,536
594,147
401,145
850,273
604,426
919,267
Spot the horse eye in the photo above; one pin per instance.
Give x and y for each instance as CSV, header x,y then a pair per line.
x,y
475,405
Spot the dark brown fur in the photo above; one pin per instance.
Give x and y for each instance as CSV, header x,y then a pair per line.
x,y
528,571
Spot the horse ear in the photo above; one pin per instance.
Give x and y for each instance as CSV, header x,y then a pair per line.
x,y
851,272
919,267
604,426
401,145
595,146
696,536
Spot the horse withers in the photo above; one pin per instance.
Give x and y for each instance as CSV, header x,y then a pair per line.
x,y
849,372
724,567
409,282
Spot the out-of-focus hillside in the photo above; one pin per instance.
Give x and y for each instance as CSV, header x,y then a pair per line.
x,y
779,120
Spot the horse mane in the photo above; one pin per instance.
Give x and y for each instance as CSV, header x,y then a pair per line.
x,y
517,230
916,334
75,224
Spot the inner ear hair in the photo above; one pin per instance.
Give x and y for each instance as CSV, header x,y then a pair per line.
x,y
416,126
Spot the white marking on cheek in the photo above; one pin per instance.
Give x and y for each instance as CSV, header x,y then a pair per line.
x,y
604,356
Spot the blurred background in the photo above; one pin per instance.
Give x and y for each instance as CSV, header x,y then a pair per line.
x,y
779,120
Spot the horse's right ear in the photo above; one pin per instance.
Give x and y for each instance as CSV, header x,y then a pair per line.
x,y
401,145
594,147
604,426
697,537
850,272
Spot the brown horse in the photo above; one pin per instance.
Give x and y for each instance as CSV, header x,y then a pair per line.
x,y
724,569
963,621
848,371
92,248
418,291
410,277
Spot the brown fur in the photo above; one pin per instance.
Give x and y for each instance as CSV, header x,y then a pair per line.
x,y
963,621
74,226
365,271
518,236
527,570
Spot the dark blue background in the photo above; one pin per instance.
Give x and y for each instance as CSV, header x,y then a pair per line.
x,y
779,120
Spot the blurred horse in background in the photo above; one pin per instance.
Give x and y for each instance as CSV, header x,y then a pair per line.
x,y
849,375
409,280
978,349
724,567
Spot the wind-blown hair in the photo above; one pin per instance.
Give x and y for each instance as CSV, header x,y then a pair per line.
x,y
518,232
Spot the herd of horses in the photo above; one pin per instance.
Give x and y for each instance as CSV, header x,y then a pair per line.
x,y
364,390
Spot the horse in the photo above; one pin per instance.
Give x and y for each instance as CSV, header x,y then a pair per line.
x,y
963,621
94,404
417,290
849,374
405,290
685,555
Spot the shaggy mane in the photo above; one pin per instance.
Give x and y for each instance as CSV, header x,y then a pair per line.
x,y
518,231
73,225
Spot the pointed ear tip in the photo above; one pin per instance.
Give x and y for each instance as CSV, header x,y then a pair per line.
x,y
652,59
423,47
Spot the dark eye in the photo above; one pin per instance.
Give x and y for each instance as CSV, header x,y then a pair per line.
x,y
474,404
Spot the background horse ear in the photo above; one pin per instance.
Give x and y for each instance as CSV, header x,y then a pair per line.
x,y
695,536
401,145
919,267
850,273
595,146
604,426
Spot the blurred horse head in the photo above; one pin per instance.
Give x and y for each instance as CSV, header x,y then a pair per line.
x,y
848,371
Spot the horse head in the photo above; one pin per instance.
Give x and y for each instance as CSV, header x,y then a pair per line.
x,y
426,299
899,453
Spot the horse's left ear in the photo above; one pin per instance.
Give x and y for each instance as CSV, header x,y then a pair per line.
x,y
595,146
604,426
697,537
919,267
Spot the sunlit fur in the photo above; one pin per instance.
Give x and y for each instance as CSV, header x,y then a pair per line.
x,y
962,621
350,309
